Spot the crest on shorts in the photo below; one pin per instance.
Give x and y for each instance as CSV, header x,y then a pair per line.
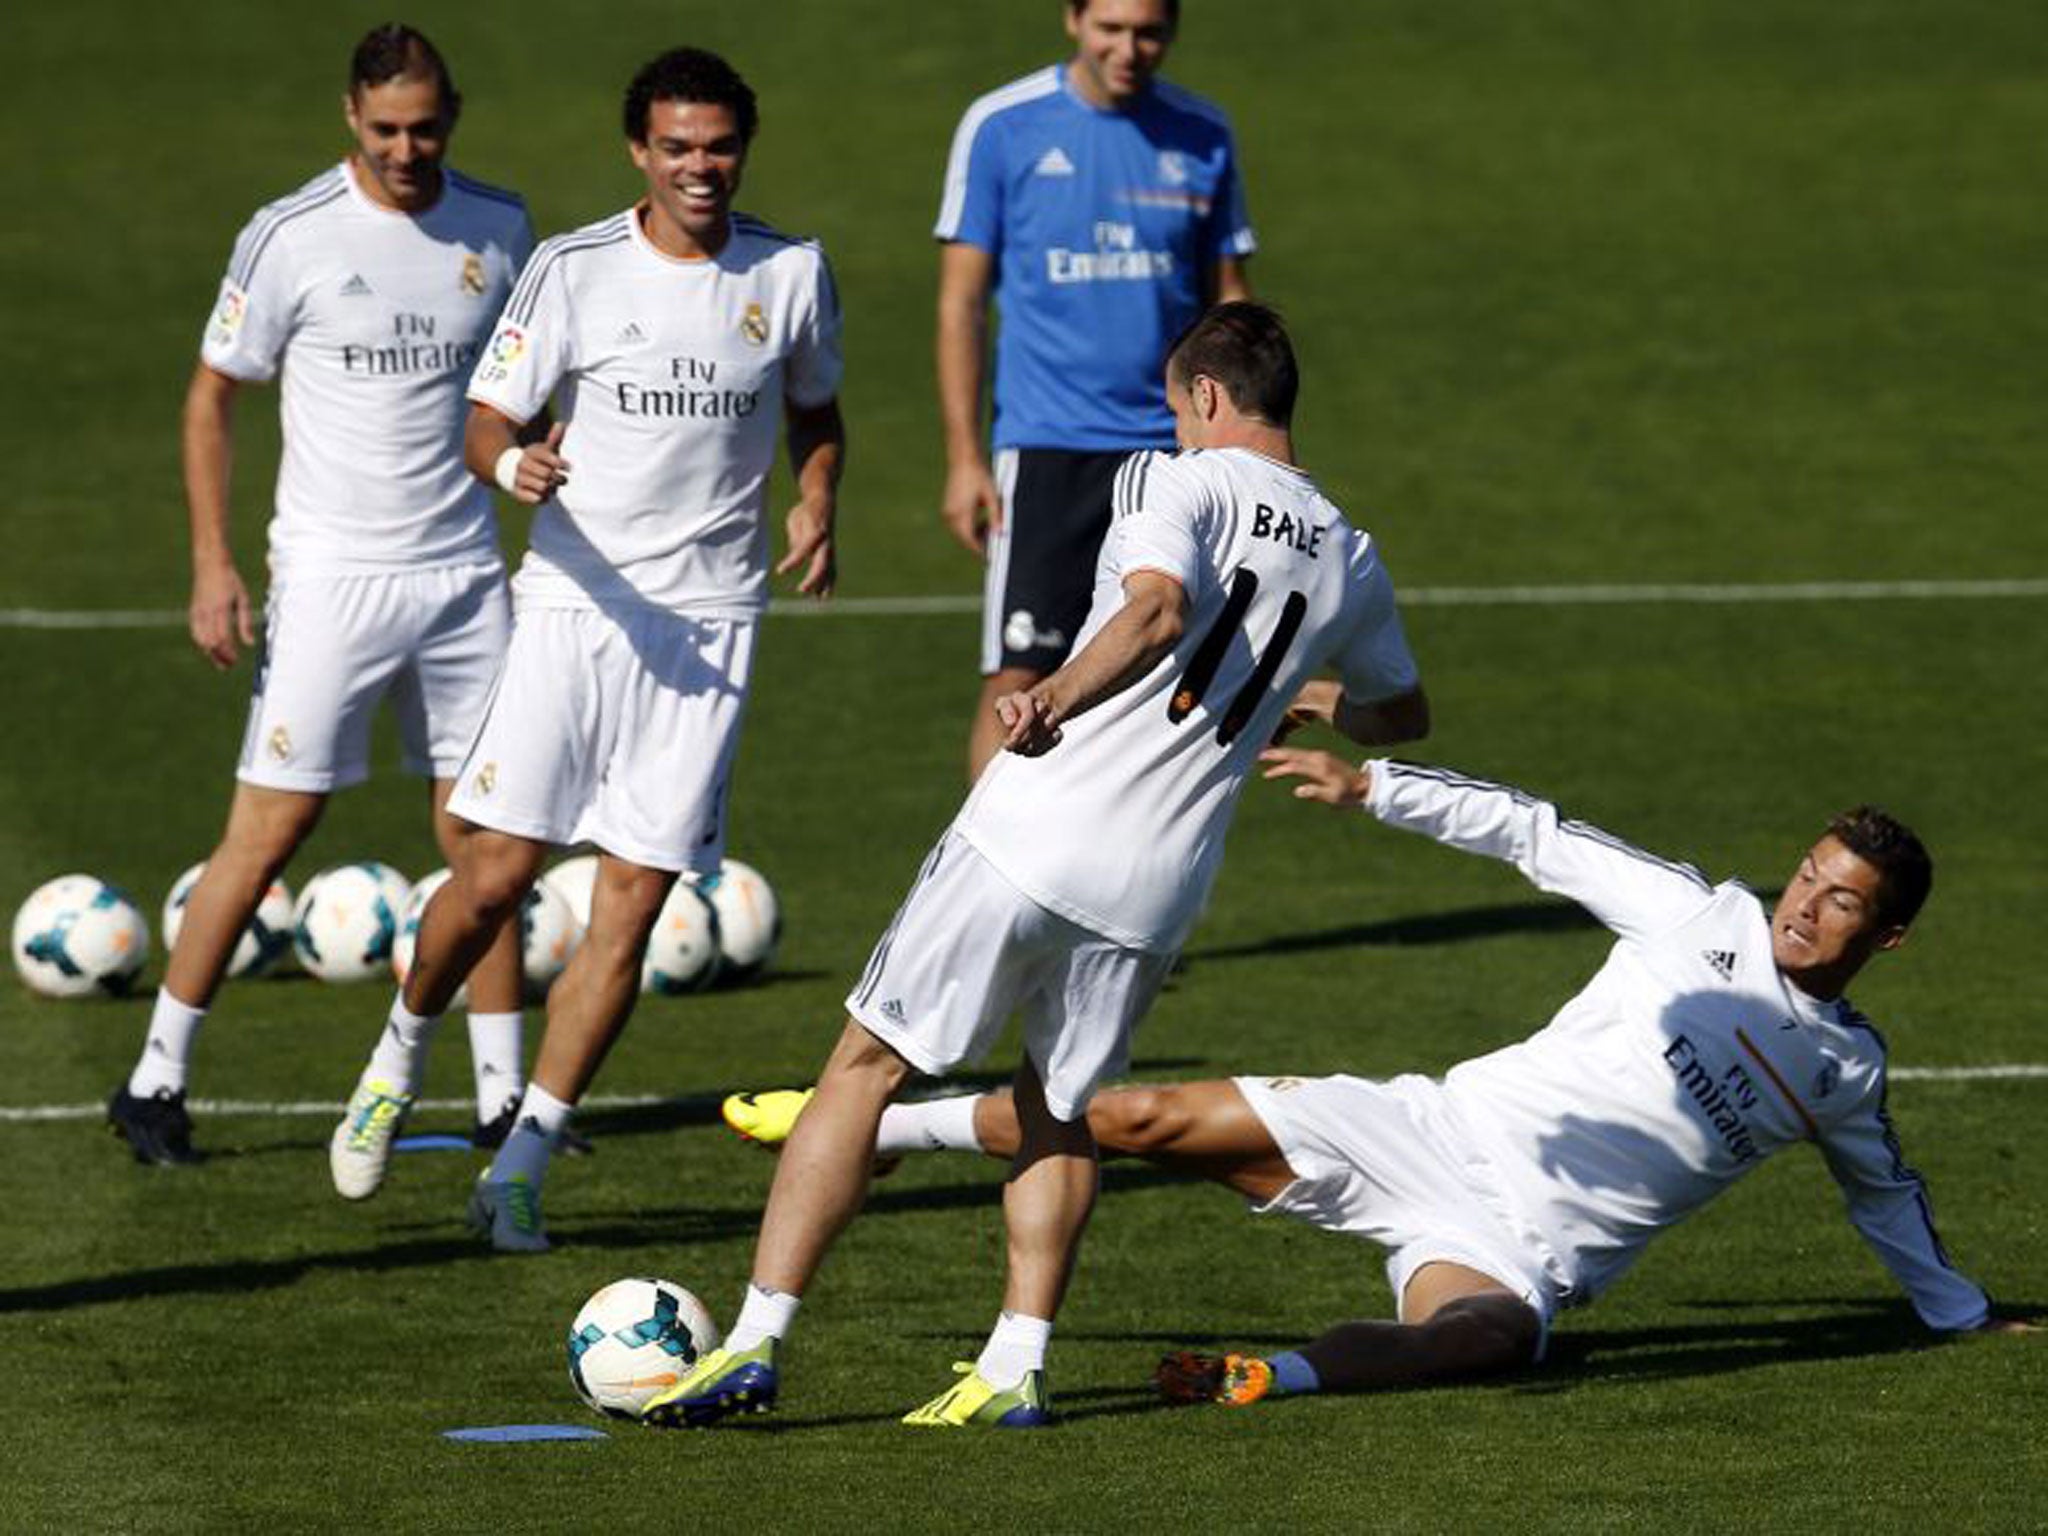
x,y
280,744
472,274
487,778
754,325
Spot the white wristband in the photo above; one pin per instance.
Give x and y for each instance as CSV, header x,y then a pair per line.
x,y
506,470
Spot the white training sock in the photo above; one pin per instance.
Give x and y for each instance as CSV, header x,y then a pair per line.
x,y
1014,1350
542,1118
166,1058
765,1314
936,1125
495,1047
401,1053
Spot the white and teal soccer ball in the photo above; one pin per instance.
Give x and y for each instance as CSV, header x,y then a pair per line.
x,y
266,940
682,951
77,935
346,920
634,1339
573,880
749,919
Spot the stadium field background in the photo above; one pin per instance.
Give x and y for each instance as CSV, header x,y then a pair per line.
x,y
1588,294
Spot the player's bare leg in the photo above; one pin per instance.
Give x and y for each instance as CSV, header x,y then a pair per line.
x,y
497,1045
494,982
1206,1130
1046,1200
594,996
461,923
468,913
264,828
588,1007
985,735
822,1177
820,1182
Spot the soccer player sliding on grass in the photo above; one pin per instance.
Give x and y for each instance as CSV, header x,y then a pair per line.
x,y
1529,1179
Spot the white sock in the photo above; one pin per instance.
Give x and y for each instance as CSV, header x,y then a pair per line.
x,y
936,1125
166,1058
401,1053
495,1047
542,1117
765,1314
1014,1350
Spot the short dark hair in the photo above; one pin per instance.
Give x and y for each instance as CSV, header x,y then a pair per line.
x,y
689,74
1902,860
1172,10
395,51
1243,347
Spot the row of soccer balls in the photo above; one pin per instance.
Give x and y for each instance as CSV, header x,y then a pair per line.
x,y
78,935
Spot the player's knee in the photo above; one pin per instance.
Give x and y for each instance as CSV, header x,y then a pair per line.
x,y
1138,1120
1483,1335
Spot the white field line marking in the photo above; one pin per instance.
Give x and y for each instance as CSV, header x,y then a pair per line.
x,y
1654,594
25,1114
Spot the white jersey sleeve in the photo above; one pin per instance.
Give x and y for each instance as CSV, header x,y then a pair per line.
x,y
1888,1203
814,366
1634,893
531,347
257,309
1377,664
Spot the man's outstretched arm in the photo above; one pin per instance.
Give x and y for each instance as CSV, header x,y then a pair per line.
x,y
1632,892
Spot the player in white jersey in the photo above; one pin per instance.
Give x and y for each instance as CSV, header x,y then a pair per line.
x,y
1071,876
674,338
370,290
1529,1179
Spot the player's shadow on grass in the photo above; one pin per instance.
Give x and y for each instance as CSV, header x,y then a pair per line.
x,y
1430,928
1852,1328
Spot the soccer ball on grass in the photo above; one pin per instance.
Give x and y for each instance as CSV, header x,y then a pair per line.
x,y
347,920
77,935
633,1339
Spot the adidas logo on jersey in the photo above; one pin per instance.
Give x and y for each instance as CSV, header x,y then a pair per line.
x,y
1722,960
355,287
1053,162
630,334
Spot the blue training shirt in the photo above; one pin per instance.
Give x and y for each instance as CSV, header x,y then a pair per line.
x,y
1102,223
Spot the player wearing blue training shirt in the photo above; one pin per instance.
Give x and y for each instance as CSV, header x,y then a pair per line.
x,y
1100,207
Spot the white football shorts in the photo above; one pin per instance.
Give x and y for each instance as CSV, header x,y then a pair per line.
x,y
1382,1161
335,644
617,730
967,948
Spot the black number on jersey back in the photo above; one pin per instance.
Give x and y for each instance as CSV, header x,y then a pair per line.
x,y
1208,657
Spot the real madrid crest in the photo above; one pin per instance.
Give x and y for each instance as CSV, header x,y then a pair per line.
x,y
487,778
472,274
754,325
281,744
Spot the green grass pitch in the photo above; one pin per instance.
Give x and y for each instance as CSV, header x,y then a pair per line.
x,y
1588,292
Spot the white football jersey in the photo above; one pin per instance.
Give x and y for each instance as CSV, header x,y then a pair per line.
x,y
671,376
1684,1063
1120,827
375,318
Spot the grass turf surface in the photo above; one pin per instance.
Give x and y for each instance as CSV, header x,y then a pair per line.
x,y
1718,293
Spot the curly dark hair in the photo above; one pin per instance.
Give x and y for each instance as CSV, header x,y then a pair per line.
x,y
689,74
395,51
1900,857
